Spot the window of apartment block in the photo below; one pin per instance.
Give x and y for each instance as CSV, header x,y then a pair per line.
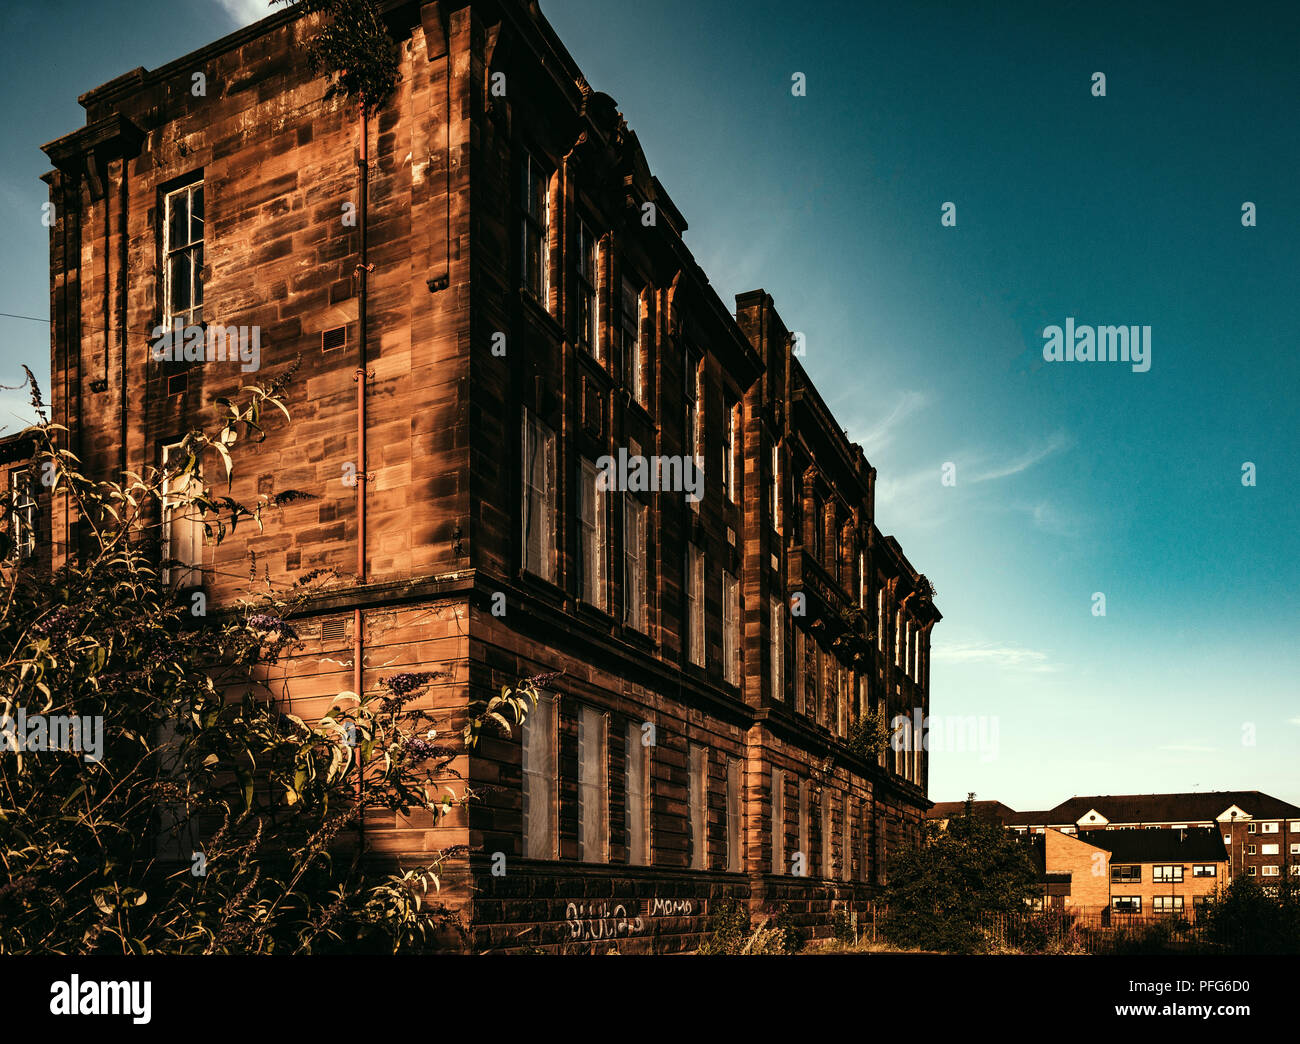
x,y
695,604
846,842
898,638
1250,850
729,453
1295,849
777,638
1269,871
731,628
635,518
593,786
539,498
1127,903
1166,903
1167,874
591,515
880,619
1268,828
735,821
539,775
778,821
827,867
636,760
1204,870
22,515
697,806
630,327
534,235
1126,874
183,255
862,580
776,488
1251,871
800,669
841,701
1250,828
588,287
182,522
1295,827
1268,850
803,854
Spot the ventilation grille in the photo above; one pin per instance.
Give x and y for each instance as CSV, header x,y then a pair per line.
x,y
331,339
334,629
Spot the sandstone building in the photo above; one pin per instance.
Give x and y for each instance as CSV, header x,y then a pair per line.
x,y
489,292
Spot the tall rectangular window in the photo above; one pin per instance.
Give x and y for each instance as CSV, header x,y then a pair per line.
x,y
695,604
729,453
593,787
846,842
635,515
591,512
778,821
534,233
539,498
828,868
778,648
880,619
697,807
862,580
588,283
898,638
183,255
182,529
731,628
803,854
693,381
630,326
637,814
22,515
776,488
841,702
539,780
735,822
800,669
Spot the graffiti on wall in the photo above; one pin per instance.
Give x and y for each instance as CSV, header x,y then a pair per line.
x,y
592,922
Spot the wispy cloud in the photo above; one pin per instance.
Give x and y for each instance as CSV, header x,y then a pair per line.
x,y
246,12
1005,657
882,432
1056,442
1294,721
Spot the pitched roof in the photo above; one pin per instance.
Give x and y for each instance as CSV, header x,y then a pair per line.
x,y
1135,845
994,810
1160,808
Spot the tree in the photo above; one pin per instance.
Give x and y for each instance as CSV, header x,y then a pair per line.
x,y
942,891
1244,918
187,810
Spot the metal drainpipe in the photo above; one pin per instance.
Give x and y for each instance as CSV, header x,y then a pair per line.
x,y
358,641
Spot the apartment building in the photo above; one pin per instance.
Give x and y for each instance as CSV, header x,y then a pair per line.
x,y
490,293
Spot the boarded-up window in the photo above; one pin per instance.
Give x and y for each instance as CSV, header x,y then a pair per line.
x,y
591,511
539,498
735,821
695,603
731,628
182,531
697,809
637,816
802,855
778,821
539,780
593,788
778,649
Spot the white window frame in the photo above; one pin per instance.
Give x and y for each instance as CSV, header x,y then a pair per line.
x,y
777,651
191,250
697,804
637,804
731,628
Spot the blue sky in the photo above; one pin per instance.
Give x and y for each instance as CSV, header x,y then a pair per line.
x,y
1071,478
